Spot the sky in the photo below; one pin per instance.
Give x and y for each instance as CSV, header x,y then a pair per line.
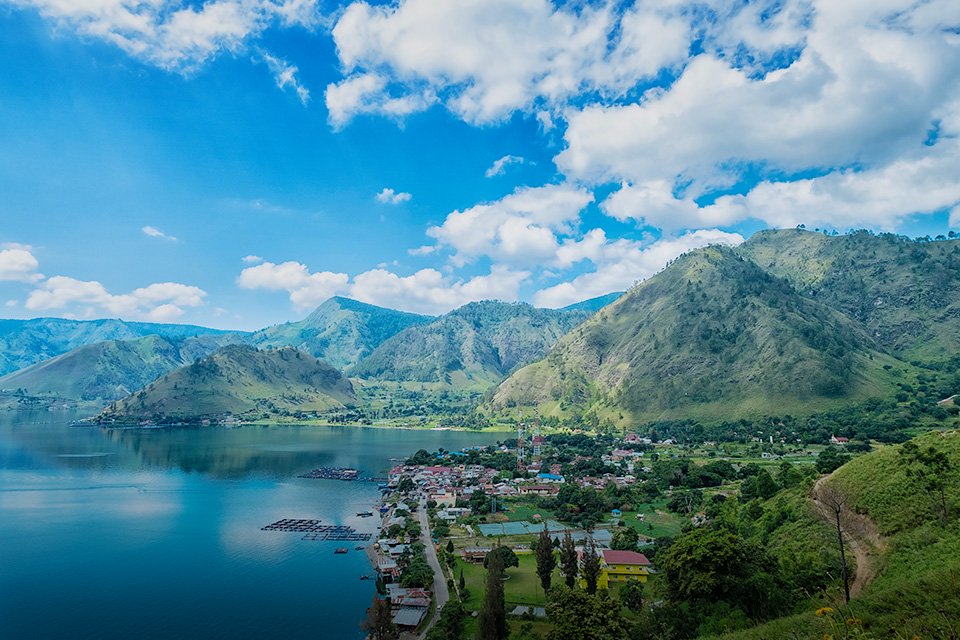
x,y
234,163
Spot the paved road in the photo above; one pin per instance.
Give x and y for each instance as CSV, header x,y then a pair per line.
x,y
440,591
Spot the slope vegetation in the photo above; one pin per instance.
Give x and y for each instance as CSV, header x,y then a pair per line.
x,y
474,346
712,335
239,380
340,331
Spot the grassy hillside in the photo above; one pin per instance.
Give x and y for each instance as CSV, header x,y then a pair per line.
x,y
712,336
917,589
110,370
474,346
593,304
239,380
905,292
340,331
26,342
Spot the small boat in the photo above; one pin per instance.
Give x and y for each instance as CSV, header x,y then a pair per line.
x,y
365,514
359,548
341,550
365,577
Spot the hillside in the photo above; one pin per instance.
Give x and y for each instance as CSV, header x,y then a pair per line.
x,y
474,346
711,336
340,331
905,292
593,304
239,380
914,593
109,370
26,342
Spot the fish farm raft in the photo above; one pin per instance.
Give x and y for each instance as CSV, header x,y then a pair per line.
x,y
314,530
339,473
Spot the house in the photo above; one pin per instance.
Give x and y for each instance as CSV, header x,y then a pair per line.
x,y
538,490
839,440
624,565
444,499
549,477
476,554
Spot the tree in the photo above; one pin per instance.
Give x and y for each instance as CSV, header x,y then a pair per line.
x,y
577,615
631,595
507,557
625,539
405,485
546,561
591,565
931,469
450,624
461,583
568,559
449,546
835,502
831,459
379,622
493,615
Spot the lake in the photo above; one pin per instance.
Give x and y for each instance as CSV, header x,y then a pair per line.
x,y
155,533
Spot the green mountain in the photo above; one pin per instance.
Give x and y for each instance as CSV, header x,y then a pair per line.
x,y
340,331
474,346
240,380
25,342
593,304
712,336
109,370
905,292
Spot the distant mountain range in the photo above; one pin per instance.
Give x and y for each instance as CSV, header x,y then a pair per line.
x,y
789,322
25,342
242,381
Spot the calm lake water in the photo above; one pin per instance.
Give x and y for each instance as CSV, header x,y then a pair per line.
x,y
156,533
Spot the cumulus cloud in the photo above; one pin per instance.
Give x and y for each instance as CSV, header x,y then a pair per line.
x,y
519,229
251,259
622,263
162,301
486,59
500,165
425,291
153,232
389,196
18,264
306,289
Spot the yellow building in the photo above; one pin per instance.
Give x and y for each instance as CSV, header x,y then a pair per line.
x,y
619,566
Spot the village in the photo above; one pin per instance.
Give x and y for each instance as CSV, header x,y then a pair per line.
x,y
445,512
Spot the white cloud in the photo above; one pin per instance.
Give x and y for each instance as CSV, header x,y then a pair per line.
x,y
306,289
429,291
425,250
285,75
518,229
251,259
389,196
153,232
18,264
11,303
500,165
622,263
160,301
487,58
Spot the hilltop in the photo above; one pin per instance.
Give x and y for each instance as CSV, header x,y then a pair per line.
x,y
109,370
906,293
340,331
474,346
26,342
711,335
239,380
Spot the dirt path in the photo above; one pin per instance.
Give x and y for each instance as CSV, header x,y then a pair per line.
x,y
860,534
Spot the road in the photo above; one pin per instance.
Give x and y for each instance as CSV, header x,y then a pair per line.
x,y
440,592
859,532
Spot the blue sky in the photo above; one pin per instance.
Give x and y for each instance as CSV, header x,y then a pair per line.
x,y
220,162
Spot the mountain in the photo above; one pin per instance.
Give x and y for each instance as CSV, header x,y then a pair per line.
x,y
905,292
340,331
109,370
593,304
239,380
711,336
25,342
474,346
